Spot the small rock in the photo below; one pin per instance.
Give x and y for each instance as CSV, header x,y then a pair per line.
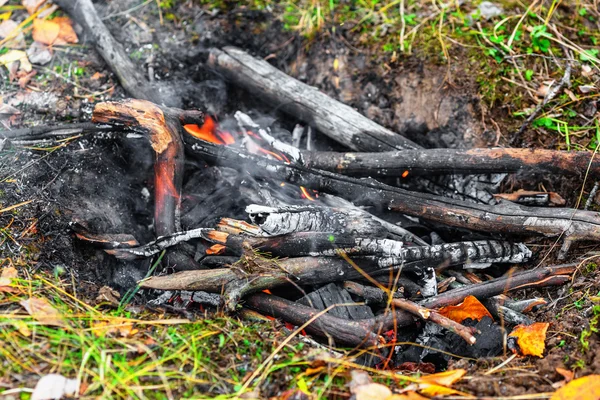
x,y
489,10
39,54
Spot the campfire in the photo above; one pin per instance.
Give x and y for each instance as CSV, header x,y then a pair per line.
x,y
363,249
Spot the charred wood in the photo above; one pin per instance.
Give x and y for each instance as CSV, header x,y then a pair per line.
x,y
53,131
571,224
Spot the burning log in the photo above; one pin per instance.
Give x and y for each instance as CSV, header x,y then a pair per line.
x,y
571,224
162,126
334,119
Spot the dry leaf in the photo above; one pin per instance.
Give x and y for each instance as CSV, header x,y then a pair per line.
x,y
109,295
586,388
103,328
531,339
407,396
585,89
469,308
8,274
372,391
55,386
21,327
39,53
439,384
32,5
44,31
10,28
58,31
42,311
568,375
13,56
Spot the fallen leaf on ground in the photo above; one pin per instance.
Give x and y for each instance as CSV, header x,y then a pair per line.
x,y
103,328
39,53
530,339
55,386
42,311
109,295
8,274
32,5
14,56
21,327
407,396
586,388
568,375
439,384
469,308
58,31
10,28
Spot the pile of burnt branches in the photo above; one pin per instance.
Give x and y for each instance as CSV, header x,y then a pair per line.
x,y
359,255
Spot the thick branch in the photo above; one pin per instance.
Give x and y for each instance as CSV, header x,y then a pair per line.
x,y
336,120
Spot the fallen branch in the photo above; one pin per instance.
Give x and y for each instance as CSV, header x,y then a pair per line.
x,y
52,131
332,118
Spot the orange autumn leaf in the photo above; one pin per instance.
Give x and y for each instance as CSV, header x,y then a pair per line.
x,y
469,308
586,388
58,31
45,32
531,339
446,378
42,311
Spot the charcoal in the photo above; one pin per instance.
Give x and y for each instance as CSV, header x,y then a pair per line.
x,y
333,294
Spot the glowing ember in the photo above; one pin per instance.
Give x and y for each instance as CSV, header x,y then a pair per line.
x,y
215,249
218,236
405,174
164,179
270,153
306,194
208,131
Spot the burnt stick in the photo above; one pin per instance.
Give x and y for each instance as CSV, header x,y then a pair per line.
x,y
446,161
52,131
510,218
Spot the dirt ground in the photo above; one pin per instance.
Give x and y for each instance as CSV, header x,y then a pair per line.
x,y
433,103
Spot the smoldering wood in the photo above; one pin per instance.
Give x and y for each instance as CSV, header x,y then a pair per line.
x,y
334,119
283,220
570,224
162,126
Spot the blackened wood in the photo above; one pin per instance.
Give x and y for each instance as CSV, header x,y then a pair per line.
x,y
334,294
510,218
445,161
539,277
334,119
353,333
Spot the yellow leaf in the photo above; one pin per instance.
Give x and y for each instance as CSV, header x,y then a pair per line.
x,y
43,312
45,32
21,327
586,388
531,339
16,55
124,329
438,384
469,308
407,396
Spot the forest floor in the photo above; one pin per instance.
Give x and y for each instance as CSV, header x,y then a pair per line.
x,y
455,74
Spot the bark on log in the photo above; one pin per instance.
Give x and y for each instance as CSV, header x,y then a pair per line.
x,y
332,118
505,217
446,161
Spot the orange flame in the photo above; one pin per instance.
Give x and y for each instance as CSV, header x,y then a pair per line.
x,y
208,131
270,153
